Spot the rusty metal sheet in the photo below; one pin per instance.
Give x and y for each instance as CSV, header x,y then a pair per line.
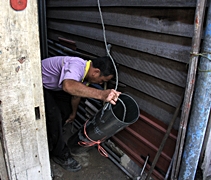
x,y
68,43
143,138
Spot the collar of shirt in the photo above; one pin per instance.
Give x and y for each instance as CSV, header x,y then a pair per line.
x,y
88,64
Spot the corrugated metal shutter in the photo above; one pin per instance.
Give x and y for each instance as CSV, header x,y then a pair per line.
x,y
151,42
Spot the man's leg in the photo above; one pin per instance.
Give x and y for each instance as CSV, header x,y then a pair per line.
x,y
63,100
57,147
54,124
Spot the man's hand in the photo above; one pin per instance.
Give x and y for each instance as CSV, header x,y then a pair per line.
x,y
70,119
111,96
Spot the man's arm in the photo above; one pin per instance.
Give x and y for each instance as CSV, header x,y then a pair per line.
x,y
76,88
75,100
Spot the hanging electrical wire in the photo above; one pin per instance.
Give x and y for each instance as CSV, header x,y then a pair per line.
x,y
106,46
108,53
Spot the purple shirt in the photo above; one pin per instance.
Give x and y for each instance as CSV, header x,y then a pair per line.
x,y
58,68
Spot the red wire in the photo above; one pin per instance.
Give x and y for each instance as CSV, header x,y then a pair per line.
x,y
91,142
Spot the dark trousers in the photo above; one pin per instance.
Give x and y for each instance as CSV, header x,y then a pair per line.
x,y
58,109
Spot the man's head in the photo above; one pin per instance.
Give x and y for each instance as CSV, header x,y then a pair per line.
x,y
101,70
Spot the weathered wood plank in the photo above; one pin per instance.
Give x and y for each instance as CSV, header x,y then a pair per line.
x,y
165,20
24,137
165,69
175,48
140,3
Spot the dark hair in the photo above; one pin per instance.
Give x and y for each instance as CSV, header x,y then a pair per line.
x,y
105,65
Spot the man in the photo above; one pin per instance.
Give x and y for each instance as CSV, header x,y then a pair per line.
x,y
65,81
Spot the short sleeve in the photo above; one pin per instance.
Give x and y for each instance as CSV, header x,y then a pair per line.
x,y
72,69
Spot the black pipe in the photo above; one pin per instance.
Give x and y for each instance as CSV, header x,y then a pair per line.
x,y
105,124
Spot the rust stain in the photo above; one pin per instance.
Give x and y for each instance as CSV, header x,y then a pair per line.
x,y
192,81
197,20
22,59
144,137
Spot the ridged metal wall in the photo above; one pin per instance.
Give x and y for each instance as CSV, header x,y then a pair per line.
x,y
151,42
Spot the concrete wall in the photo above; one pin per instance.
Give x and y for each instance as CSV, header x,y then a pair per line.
x,y
23,132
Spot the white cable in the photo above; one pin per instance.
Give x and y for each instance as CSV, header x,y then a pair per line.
x,y
107,50
105,41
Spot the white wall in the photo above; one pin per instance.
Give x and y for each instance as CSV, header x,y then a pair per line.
x,y
24,138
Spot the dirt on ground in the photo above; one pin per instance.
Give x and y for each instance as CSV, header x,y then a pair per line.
x,y
94,167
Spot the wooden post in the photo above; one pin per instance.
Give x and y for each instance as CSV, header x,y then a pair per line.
x,y
22,120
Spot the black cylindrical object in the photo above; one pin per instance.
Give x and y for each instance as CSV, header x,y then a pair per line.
x,y
106,123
